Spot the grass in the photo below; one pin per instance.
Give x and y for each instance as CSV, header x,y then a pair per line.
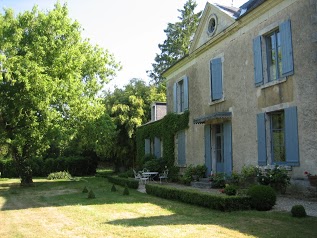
x,y
60,209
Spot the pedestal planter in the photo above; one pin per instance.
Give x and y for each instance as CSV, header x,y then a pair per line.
x,y
313,180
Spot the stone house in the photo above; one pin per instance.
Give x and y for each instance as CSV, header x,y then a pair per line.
x,y
250,85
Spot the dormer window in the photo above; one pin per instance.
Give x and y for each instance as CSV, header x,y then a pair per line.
x,y
212,25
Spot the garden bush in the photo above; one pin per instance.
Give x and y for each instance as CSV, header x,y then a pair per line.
x,y
131,183
194,173
217,202
277,178
85,190
298,211
263,197
59,175
126,190
218,180
230,190
91,194
8,168
113,188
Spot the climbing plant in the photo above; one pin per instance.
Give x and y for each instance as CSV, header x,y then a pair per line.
x,y
164,129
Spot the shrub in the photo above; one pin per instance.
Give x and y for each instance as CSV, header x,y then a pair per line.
x,y
85,190
91,194
113,188
263,197
217,202
123,175
298,211
132,183
59,175
230,190
234,179
249,175
218,180
192,171
126,190
277,178
8,168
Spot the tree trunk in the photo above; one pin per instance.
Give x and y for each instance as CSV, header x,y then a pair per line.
x,y
24,170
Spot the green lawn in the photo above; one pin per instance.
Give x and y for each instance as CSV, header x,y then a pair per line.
x,y
60,209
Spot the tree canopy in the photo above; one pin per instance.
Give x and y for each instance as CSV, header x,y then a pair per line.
x,y
129,108
178,39
49,82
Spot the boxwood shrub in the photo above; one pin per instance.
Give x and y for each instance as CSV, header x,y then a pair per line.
x,y
131,183
263,197
217,202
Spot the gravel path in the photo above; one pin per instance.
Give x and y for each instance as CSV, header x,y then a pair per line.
x,y
283,203
286,203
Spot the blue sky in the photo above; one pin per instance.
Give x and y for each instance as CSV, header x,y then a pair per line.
x,y
129,29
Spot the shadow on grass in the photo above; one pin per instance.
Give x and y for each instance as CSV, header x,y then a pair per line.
x,y
47,193
67,193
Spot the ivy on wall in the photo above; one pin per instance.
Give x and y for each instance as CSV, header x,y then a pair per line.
x,y
165,129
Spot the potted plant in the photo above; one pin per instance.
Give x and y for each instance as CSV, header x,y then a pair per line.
x,y
312,179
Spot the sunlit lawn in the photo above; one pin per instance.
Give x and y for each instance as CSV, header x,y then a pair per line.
x,y
60,209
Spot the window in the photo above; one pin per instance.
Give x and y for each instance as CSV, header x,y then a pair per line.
x,y
180,95
181,154
212,25
273,54
216,92
278,137
153,147
274,58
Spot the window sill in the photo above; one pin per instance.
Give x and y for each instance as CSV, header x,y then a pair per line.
x,y
216,102
275,82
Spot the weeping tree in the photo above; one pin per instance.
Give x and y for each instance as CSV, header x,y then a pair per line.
x,y
49,82
129,108
178,39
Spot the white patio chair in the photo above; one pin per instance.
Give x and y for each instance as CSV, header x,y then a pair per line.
x,y
164,175
138,176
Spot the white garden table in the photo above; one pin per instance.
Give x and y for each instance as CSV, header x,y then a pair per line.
x,y
150,175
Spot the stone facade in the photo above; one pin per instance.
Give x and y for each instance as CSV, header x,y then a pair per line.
x,y
231,124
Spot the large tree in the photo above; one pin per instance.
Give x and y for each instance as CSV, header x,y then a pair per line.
x,y
178,39
49,81
130,107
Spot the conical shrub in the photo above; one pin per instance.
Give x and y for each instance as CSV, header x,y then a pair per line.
x,y
113,188
85,190
126,190
91,194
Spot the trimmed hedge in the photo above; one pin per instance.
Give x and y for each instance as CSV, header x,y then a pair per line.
x,y
75,165
131,183
222,203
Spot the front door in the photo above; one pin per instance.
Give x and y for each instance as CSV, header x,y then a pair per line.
x,y
208,151
219,148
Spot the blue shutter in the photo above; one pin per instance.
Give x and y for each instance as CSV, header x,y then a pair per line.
x,y
147,146
181,148
216,72
227,148
210,80
261,139
208,162
175,97
185,93
291,136
257,58
157,147
286,48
